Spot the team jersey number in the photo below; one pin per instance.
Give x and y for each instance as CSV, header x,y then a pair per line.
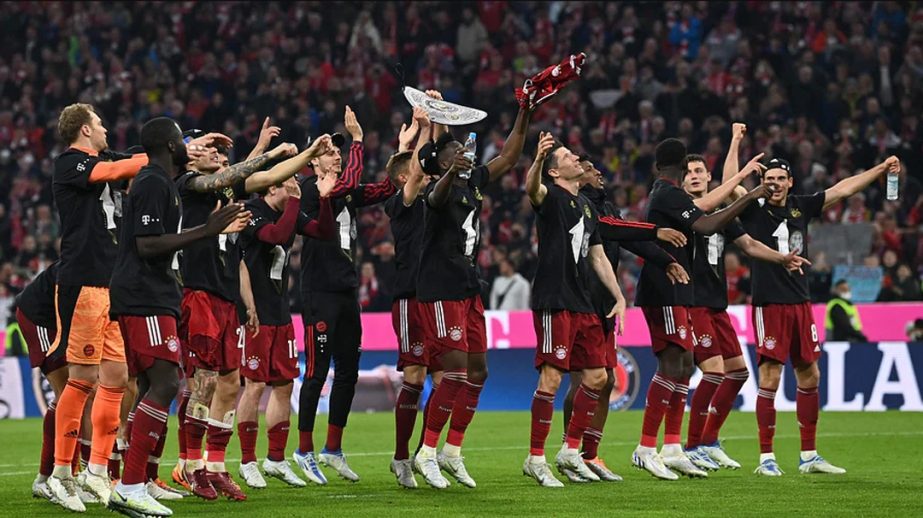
x,y
715,248
108,204
576,239
175,263
279,255
292,349
471,226
781,234
344,222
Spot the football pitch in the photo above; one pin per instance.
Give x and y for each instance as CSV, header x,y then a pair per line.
x,y
883,453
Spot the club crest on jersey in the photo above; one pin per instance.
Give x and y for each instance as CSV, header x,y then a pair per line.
x,y
705,340
573,204
172,344
455,333
253,363
681,331
321,327
477,194
586,210
464,200
417,349
560,352
349,198
769,342
795,213
228,193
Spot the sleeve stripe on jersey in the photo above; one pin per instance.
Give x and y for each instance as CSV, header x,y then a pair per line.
x,y
609,220
350,178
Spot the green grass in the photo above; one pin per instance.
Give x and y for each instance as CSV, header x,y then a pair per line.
x,y
882,452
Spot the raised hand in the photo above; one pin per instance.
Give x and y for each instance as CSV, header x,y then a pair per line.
x,y
320,146
461,162
267,133
421,117
545,143
292,188
435,94
325,184
408,134
352,125
674,237
285,150
227,220
753,166
677,274
212,140
738,130
893,164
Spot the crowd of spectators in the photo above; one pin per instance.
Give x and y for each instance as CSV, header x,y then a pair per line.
x,y
834,87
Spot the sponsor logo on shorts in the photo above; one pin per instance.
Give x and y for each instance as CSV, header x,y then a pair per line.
x,y
253,363
88,350
705,340
172,344
560,352
417,349
455,333
769,342
681,330
321,326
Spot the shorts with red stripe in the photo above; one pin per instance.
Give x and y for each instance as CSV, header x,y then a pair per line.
x,y
213,338
455,324
407,320
271,356
714,334
786,331
39,340
669,325
568,340
149,338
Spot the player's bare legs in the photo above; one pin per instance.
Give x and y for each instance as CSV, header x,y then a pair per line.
x,y
735,375
197,417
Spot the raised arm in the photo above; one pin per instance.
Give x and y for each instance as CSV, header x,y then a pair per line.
x,y
233,174
512,148
267,133
437,129
758,250
714,222
534,187
440,193
715,198
117,170
849,186
415,177
286,169
731,161
228,219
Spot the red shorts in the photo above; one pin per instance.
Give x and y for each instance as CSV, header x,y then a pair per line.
x,y
271,355
213,338
714,334
612,350
786,331
569,341
455,324
407,320
147,339
669,325
39,340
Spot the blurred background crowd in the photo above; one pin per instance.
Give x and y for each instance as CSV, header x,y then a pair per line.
x,y
832,86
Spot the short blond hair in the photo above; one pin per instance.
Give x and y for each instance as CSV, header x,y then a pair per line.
x,y
72,118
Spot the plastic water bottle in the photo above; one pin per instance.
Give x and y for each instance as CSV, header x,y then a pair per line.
x,y
893,181
471,147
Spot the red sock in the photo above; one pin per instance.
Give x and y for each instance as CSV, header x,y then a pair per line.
x,y
658,399
405,417
216,442
429,399
305,442
542,413
673,420
47,462
443,402
248,431
701,401
153,461
463,412
195,432
278,438
115,462
591,439
766,417
181,429
334,438
722,403
150,425
807,404
585,402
